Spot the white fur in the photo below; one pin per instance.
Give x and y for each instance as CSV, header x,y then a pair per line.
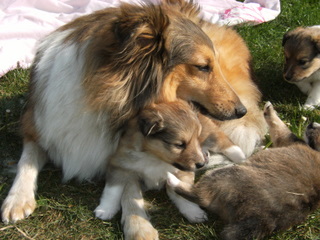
x,y
109,202
235,154
189,210
246,137
150,169
20,202
172,180
311,87
75,138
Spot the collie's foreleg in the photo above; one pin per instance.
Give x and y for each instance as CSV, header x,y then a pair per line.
x,y
20,202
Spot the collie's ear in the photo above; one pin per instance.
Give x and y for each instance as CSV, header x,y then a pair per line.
x,y
150,122
141,26
187,7
141,56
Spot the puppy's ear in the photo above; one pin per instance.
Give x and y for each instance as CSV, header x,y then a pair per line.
x,y
290,34
150,122
286,37
316,38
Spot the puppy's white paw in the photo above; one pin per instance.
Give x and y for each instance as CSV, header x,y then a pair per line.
x,y
17,206
193,212
235,154
172,180
105,212
308,107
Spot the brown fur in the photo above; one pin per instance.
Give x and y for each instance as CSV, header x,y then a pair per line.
x,y
163,137
302,62
273,190
301,47
121,60
157,45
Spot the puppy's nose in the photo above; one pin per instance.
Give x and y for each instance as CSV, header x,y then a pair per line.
x,y
288,77
310,126
241,111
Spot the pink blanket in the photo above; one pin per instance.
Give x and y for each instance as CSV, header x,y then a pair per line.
x,y
24,22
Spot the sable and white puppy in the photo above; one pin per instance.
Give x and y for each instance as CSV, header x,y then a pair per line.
x,y
91,76
273,190
163,138
302,66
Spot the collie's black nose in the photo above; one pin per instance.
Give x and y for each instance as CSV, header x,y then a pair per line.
x,y
241,111
200,165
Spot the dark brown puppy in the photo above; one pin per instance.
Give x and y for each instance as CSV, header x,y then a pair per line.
x,y
273,190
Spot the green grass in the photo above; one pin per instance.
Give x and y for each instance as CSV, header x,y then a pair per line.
x,y
65,210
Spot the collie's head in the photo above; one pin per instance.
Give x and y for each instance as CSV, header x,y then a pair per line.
x,y
171,132
138,54
302,53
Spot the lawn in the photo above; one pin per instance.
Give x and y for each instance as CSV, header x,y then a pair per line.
x,y
65,210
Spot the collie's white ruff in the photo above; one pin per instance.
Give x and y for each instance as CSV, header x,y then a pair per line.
x,y
76,138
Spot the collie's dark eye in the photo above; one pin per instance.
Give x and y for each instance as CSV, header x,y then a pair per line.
x,y
205,68
181,145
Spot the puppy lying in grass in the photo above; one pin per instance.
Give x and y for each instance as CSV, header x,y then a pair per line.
x,y
273,190
302,67
163,138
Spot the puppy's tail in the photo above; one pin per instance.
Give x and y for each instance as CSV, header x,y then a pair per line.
x,y
182,188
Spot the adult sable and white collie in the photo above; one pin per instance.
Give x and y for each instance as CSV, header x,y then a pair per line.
x,y
94,74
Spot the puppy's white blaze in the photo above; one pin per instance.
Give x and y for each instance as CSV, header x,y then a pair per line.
x,y
235,154
73,136
172,180
110,202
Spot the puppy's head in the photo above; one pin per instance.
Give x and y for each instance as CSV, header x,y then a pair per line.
x,y
171,133
312,135
302,53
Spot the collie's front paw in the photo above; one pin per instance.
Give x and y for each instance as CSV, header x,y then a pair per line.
x,y
105,212
138,228
17,207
